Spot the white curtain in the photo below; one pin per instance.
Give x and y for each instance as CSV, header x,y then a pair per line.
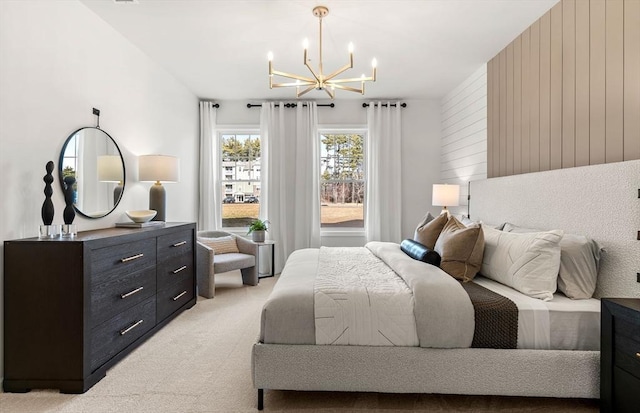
x,y
290,194
383,193
209,204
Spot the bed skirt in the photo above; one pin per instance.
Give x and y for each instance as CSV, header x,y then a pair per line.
x,y
473,371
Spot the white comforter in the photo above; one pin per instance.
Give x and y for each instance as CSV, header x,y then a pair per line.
x,y
359,300
429,308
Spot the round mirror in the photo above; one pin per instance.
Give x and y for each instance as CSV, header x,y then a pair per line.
x,y
93,158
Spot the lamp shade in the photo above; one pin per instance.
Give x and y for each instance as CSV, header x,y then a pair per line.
x,y
110,168
161,168
445,195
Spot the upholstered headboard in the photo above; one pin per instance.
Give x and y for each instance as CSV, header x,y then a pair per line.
x,y
599,201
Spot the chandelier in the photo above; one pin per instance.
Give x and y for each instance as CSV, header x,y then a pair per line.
x,y
319,80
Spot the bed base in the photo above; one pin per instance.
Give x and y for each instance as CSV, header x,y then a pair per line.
x,y
531,373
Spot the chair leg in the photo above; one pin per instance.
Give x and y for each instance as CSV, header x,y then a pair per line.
x,y
260,399
250,275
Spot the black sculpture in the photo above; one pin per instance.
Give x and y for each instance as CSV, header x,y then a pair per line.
x,y
47,205
69,213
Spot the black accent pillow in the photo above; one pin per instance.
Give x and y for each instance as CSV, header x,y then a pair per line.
x,y
419,252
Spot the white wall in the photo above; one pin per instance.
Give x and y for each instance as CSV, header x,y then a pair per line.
x,y
420,152
58,60
464,135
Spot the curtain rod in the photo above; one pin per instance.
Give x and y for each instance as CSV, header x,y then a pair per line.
x,y
366,105
215,105
290,105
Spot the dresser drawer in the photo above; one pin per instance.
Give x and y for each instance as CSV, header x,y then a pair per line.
x,y
114,335
116,260
171,246
116,295
627,354
174,297
176,269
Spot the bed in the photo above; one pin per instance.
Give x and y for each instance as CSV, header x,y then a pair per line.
x,y
559,360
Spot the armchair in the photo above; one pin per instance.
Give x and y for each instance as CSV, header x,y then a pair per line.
x,y
210,263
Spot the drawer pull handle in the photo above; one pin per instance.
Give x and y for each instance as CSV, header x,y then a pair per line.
x,y
126,330
178,244
131,292
179,295
638,355
134,257
184,267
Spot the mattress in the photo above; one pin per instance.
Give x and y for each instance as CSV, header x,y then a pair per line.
x,y
560,324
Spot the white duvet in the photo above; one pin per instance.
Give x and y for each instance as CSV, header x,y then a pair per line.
x,y
359,300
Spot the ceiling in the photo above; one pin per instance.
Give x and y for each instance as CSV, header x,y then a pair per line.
x,y
218,49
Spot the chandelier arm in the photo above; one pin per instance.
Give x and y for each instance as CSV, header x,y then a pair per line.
x,y
349,88
330,92
337,72
291,76
307,90
293,84
313,72
351,80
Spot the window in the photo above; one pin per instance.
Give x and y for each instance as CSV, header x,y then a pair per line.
x,y
240,154
342,179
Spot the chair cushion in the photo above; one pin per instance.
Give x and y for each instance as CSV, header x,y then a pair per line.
x,y
221,245
232,261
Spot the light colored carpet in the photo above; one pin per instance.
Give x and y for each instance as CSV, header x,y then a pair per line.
x,y
201,362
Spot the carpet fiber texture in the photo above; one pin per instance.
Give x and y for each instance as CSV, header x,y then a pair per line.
x,y
201,362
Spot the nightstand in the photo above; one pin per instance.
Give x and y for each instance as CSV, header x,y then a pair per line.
x,y
620,355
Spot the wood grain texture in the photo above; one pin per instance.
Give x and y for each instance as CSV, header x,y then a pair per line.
x,y
517,106
568,89
555,88
568,137
582,85
526,101
534,108
510,89
503,112
631,79
614,86
597,97
545,92
490,115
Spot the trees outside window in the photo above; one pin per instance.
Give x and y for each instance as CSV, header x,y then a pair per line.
x,y
240,175
342,179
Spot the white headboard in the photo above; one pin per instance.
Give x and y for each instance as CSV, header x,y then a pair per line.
x,y
599,201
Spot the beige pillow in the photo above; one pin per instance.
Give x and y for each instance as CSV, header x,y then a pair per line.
x,y
221,245
527,262
428,233
461,249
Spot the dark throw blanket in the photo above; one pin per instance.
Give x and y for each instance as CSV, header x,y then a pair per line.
x,y
496,318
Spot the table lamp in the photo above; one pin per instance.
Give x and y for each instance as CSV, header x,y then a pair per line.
x,y
445,195
111,169
158,168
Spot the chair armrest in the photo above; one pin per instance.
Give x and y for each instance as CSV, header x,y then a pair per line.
x,y
204,257
246,246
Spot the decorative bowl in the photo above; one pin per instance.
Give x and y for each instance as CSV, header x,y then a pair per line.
x,y
143,215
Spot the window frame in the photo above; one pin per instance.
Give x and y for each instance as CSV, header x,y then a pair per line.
x,y
223,182
345,130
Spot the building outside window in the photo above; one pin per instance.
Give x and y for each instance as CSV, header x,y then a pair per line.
x,y
342,179
240,155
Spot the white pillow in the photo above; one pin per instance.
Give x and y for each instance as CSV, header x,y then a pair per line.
x,y
528,262
579,263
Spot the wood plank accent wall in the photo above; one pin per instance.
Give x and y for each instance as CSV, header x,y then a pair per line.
x,y
566,92
464,133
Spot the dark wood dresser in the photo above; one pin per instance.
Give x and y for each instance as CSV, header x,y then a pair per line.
x,y
620,355
74,307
